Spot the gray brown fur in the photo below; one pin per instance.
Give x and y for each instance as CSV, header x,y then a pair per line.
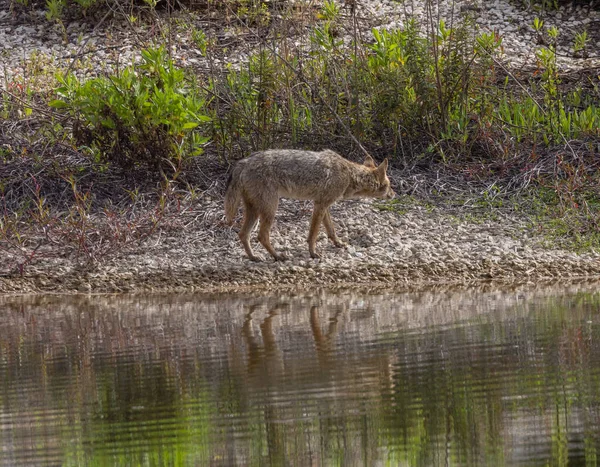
x,y
325,177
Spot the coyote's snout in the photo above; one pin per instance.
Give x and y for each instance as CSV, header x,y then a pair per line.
x,y
325,177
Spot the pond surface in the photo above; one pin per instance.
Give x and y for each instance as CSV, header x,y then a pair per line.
x,y
440,377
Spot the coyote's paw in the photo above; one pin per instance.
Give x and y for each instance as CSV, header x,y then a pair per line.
x,y
256,259
315,255
340,244
280,257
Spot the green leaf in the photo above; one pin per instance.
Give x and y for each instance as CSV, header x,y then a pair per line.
x,y
107,122
58,104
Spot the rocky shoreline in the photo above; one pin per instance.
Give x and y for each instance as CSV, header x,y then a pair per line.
x,y
416,247
413,246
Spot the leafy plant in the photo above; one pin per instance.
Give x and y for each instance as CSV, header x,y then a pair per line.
x,y
54,13
151,3
330,10
147,114
553,33
538,24
86,4
200,39
254,12
54,9
581,40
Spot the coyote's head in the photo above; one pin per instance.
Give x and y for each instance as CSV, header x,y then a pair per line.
x,y
379,183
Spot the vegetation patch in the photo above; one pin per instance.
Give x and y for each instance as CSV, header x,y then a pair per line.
x,y
146,114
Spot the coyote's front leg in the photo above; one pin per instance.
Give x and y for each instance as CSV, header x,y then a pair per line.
x,y
265,239
330,229
321,215
317,217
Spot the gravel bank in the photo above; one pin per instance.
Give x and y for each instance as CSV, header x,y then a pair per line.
x,y
417,247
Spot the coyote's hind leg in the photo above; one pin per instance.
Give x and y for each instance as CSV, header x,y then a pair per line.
x,y
267,216
250,220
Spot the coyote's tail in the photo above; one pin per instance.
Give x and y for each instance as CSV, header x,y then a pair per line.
x,y
233,195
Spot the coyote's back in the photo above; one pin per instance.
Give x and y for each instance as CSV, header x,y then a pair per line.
x,y
325,177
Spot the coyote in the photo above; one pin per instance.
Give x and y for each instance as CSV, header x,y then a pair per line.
x,y
325,177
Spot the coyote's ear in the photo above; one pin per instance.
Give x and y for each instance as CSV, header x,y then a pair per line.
x,y
382,169
369,162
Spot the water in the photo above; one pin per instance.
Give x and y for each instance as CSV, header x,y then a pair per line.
x,y
441,377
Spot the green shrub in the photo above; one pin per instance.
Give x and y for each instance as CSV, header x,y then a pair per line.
x,y
405,87
148,114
